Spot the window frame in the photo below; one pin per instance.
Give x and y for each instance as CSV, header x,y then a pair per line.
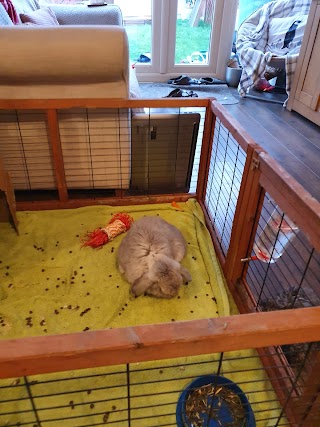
x,y
164,21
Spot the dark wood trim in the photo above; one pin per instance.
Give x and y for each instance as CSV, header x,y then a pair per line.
x,y
44,104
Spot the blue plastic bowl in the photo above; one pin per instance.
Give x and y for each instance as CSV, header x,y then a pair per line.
x,y
224,414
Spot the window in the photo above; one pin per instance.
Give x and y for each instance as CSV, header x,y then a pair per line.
x,y
173,37
246,8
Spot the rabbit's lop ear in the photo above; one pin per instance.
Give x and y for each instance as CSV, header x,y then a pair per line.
x,y
185,274
141,285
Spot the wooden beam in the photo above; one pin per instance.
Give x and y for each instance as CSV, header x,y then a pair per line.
x,y
44,104
35,355
100,201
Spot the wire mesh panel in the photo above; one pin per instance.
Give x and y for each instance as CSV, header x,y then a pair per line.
x,y
72,399
284,271
227,389
140,150
226,167
96,147
25,149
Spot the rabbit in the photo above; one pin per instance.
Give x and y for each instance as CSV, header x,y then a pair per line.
x,y
149,257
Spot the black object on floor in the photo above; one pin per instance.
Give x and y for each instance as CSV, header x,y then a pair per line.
x,y
183,81
211,81
180,93
273,97
187,81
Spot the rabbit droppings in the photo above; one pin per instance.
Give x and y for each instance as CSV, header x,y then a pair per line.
x,y
149,257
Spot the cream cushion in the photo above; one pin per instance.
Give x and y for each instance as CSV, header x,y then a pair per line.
x,y
43,16
69,62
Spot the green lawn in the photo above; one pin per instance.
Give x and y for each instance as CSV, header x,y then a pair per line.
x,y
189,39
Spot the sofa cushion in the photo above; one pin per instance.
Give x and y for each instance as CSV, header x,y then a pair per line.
x,y
44,16
78,14
69,63
25,6
4,17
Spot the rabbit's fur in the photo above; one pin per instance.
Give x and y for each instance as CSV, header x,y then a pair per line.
x,y
149,257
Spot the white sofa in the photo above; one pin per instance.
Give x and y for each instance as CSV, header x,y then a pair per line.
x,y
85,56
77,14
66,62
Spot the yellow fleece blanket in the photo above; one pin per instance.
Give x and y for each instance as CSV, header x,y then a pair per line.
x,y
51,285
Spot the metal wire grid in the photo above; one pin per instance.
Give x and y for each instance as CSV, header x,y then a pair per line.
x,y
105,149
25,149
96,146
303,380
225,173
146,394
290,280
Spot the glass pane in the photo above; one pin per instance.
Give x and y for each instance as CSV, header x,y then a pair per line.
x,y
194,25
137,17
246,8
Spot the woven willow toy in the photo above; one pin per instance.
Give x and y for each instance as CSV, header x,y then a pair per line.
x,y
118,224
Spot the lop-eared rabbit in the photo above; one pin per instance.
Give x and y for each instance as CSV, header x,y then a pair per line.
x,y
149,256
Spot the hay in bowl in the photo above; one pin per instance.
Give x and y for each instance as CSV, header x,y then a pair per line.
x,y
214,401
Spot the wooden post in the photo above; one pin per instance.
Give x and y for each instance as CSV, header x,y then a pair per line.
x,y
44,354
206,148
308,404
58,164
197,13
7,199
244,217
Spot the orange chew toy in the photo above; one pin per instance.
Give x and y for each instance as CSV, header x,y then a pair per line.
x,y
118,224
